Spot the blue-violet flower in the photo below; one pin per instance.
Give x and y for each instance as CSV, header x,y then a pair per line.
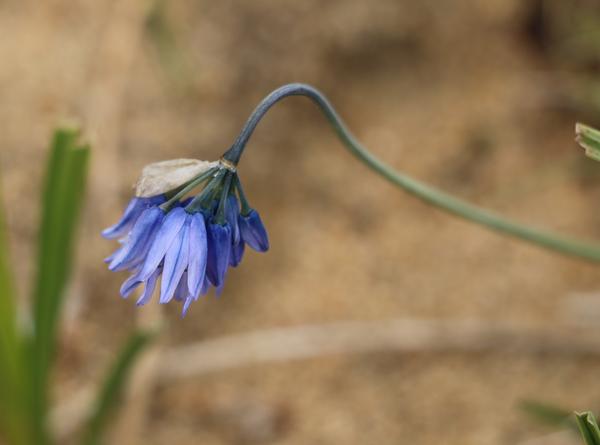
x,y
187,242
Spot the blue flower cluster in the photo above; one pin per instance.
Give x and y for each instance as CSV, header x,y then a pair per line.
x,y
189,243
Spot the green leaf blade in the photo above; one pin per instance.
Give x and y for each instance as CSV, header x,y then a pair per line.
x,y
112,388
589,139
588,428
12,388
61,204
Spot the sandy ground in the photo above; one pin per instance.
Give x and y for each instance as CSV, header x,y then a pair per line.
x,y
448,91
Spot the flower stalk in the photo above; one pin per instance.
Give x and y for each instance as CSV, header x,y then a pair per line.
x,y
187,189
444,201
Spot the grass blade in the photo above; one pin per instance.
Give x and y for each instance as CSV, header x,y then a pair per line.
x,y
12,408
111,389
62,200
588,427
589,139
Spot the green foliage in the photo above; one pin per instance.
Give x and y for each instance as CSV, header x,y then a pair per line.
x,y
588,428
548,414
26,357
62,200
113,387
12,399
589,139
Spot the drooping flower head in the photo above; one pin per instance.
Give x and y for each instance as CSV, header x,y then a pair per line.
x,y
188,242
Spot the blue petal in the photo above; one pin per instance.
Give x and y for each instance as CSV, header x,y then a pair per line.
x,y
205,286
169,229
176,261
109,258
130,285
198,254
149,289
232,213
191,298
186,305
219,247
253,231
181,293
237,253
135,248
134,209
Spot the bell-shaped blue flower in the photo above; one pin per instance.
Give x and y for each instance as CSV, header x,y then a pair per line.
x,y
219,249
189,243
253,231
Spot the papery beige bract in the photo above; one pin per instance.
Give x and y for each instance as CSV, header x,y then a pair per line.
x,y
164,176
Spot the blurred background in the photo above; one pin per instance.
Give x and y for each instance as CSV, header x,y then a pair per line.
x,y
374,319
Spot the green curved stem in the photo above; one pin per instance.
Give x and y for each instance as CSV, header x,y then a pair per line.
x,y
431,195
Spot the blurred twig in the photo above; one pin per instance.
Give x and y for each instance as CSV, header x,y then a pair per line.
x,y
312,341
400,336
